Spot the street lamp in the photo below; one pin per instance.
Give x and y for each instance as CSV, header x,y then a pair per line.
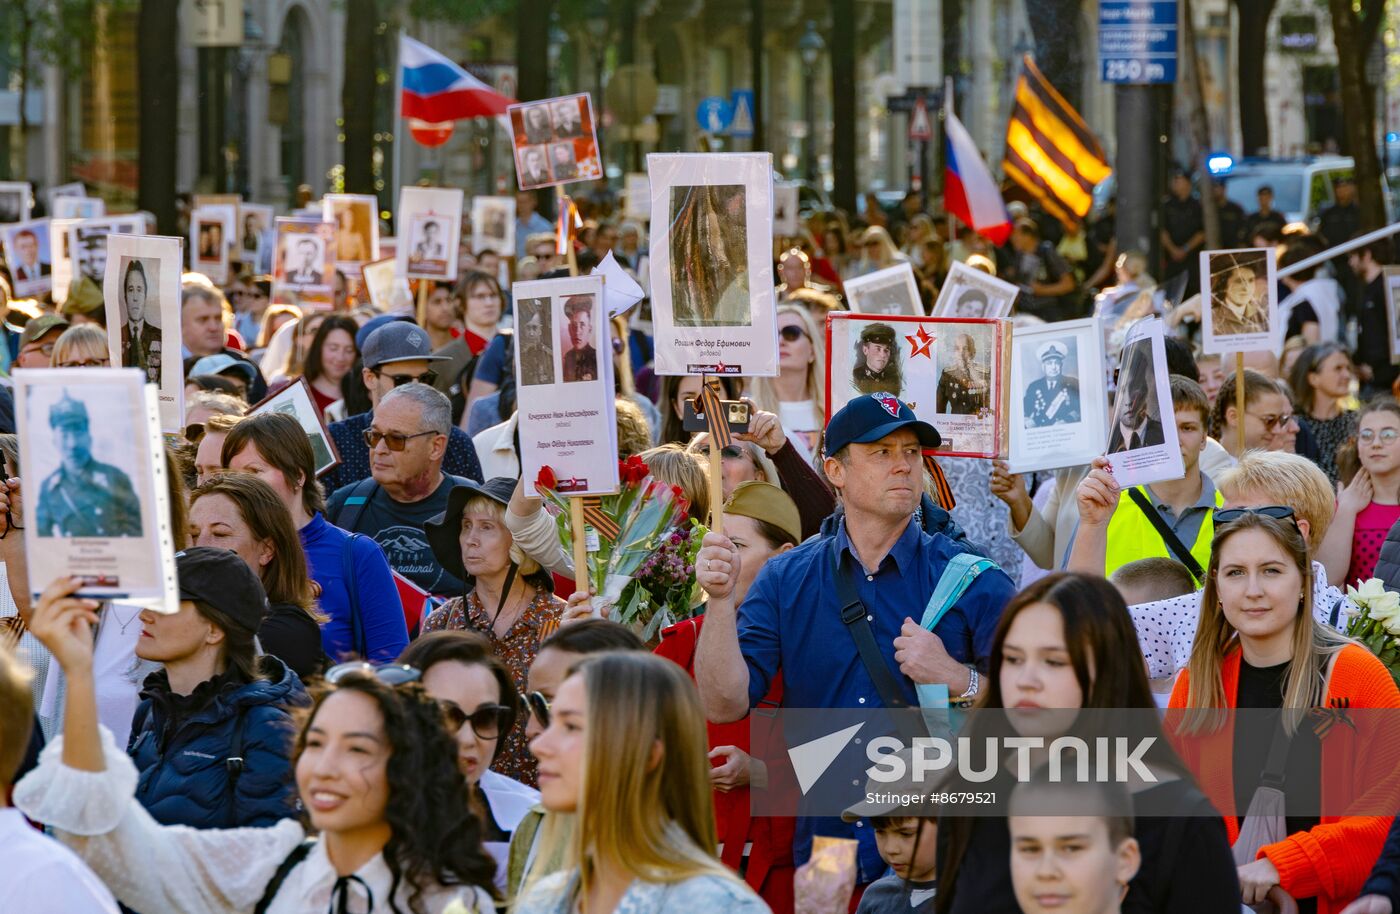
x,y
810,47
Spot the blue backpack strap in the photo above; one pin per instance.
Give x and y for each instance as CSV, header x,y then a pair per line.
x,y
958,575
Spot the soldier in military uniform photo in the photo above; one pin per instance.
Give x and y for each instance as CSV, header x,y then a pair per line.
x,y
964,388
1052,399
580,362
84,497
877,361
141,342
536,353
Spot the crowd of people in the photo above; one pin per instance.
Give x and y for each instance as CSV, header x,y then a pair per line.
x,y
384,689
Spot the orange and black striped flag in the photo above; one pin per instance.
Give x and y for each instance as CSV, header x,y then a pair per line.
x,y
1050,151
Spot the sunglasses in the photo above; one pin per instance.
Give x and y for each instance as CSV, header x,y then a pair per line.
x,y
393,674
731,451
1386,436
86,363
538,706
427,377
792,333
1277,512
488,721
1272,421
45,348
394,440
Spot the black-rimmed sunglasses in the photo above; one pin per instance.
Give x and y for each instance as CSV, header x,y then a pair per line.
x,y
1277,512
488,721
792,333
427,377
394,440
538,706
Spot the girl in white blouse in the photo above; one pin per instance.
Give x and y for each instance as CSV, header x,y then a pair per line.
x,y
625,751
375,770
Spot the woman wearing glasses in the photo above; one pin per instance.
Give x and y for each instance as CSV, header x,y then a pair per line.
x,y
1268,415
330,358
1258,646
509,598
374,768
85,346
357,591
459,668
1369,505
796,395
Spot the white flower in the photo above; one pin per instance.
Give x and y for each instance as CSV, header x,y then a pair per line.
x,y
1369,589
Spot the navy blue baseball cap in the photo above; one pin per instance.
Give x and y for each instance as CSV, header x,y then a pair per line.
x,y
871,417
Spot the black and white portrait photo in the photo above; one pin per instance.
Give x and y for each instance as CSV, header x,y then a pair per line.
x,y
970,293
561,161
1137,413
84,496
892,290
14,201
1052,397
430,233
580,353
567,122
426,241
965,371
304,256
140,309
534,167
538,128
877,361
709,256
1243,300
493,225
535,339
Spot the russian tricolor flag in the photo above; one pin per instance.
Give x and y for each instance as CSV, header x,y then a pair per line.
x,y
436,90
968,189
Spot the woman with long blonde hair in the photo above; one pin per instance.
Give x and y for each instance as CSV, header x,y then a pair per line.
x,y
1258,646
797,395
625,752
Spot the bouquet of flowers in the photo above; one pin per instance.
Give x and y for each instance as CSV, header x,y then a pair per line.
x,y
1376,624
645,575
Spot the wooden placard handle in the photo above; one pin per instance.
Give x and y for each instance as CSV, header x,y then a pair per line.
x,y
581,580
1239,398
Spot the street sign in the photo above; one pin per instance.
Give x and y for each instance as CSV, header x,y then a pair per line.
x,y
1138,41
213,23
713,114
668,99
932,99
919,126
741,122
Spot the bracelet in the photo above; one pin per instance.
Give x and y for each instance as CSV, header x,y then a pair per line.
x,y
974,683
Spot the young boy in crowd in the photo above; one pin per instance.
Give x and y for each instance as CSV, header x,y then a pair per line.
x,y
909,844
1147,581
46,877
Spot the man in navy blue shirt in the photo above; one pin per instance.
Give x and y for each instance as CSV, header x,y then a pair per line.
x,y
395,353
791,618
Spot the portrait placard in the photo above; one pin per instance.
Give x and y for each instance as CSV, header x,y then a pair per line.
x,y
27,251
388,291
356,221
14,201
1392,301
209,242
429,221
98,505
555,141
712,296
636,192
87,244
785,205
493,225
303,268
892,290
949,372
564,392
1142,442
142,296
79,208
1058,401
296,401
71,189
1239,301
968,292
62,257
253,244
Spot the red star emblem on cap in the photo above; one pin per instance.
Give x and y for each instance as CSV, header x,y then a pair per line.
x,y
921,343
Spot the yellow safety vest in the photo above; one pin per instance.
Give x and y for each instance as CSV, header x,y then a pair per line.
x,y
1131,535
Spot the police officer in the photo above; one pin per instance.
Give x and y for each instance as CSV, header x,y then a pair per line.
x,y
877,361
84,497
1052,399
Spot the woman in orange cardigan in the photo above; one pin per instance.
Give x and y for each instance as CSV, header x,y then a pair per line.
x,y
1258,646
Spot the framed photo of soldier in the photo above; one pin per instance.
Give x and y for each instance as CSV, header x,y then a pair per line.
x,y
209,246
429,225
28,253
87,244
712,296
143,298
951,373
892,290
388,291
296,401
14,201
555,141
1057,404
565,398
97,508
968,292
78,208
356,221
1142,442
1239,301
493,225
303,270
785,204
251,247
1392,302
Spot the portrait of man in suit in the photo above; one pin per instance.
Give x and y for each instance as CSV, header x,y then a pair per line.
x,y
537,126
533,171
306,262
1138,417
567,123
28,265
